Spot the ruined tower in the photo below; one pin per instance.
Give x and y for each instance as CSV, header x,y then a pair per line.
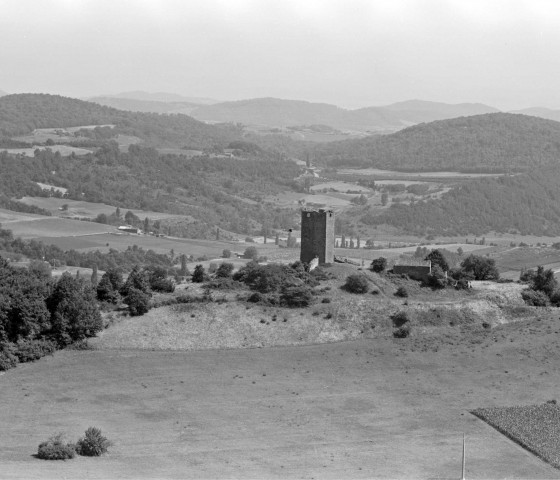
x,y
317,235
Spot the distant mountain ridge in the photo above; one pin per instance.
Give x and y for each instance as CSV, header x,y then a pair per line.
x,y
3,93
541,112
147,106
276,112
161,97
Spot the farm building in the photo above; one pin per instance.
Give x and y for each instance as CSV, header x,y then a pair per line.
x,y
129,229
415,269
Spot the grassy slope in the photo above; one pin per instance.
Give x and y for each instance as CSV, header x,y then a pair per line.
x,y
347,317
378,408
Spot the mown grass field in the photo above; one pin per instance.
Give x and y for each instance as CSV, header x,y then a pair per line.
x,y
377,408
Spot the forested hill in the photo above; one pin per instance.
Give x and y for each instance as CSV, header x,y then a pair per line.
x,y
527,203
22,113
490,142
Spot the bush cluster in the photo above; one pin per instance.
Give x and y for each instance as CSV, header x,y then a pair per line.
x,y
379,265
39,314
92,444
276,284
543,288
56,448
401,292
31,350
356,283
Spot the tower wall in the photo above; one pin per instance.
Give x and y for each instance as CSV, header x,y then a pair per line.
x,y
317,235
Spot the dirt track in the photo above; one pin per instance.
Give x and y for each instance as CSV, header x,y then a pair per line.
x,y
381,408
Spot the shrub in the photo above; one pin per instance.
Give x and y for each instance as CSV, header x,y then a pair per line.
x,y
251,252
138,302
198,274
163,285
226,253
534,298
258,297
320,274
401,292
481,268
555,298
55,448
74,310
527,276
296,295
31,350
137,279
379,264
223,284
402,332
224,270
255,297
8,357
326,300
437,258
437,279
356,283
106,292
399,319
93,444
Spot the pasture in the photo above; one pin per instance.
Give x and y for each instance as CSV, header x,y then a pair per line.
x,y
121,241
290,199
64,150
81,209
46,228
372,408
41,135
376,172
340,186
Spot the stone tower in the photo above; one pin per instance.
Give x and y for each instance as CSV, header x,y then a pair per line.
x,y
317,235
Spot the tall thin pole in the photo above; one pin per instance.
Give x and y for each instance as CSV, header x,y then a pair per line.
x,y
463,462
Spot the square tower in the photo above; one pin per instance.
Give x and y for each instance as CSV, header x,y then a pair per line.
x,y
317,235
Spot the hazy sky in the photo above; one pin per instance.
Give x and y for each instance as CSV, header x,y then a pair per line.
x,y
352,53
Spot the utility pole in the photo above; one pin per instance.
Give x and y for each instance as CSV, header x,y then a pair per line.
x,y
464,459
